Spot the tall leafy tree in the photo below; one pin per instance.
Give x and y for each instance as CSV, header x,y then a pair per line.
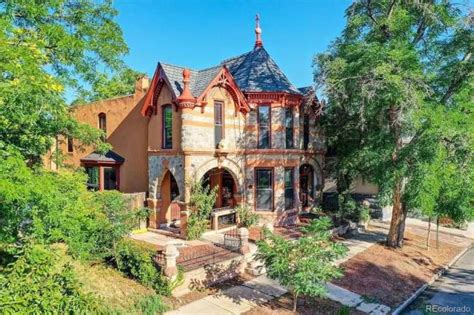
x,y
45,47
399,87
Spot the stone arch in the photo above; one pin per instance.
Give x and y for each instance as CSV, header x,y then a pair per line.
x,y
318,179
174,166
231,166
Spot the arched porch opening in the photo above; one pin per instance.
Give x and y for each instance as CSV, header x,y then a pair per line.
x,y
307,185
170,209
228,197
227,188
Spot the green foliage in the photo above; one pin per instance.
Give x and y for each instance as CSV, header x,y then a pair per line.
x,y
135,259
202,202
36,282
56,207
48,46
103,87
151,305
347,207
303,265
364,213
247,217
399,87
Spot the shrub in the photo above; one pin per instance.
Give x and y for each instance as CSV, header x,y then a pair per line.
x,y
37,281
57,207
202,200
135,259
247,217
305,265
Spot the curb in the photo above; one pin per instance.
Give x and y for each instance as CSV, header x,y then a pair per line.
x,y
435,277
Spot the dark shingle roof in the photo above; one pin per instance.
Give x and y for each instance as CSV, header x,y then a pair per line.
x,y
110,157
305,89
199,79
256,71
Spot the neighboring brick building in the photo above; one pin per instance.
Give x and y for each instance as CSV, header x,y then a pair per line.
x,y
240,125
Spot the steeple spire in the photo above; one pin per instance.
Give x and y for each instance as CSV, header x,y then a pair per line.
x,y
258,32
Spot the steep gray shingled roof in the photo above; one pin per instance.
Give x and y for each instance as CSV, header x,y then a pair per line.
x,y
256,71
199,79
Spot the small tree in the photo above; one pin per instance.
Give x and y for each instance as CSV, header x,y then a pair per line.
x,y
303,265
202,201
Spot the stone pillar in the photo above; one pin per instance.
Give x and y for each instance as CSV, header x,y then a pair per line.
x,y
267,226
171,253
183,224
154,205
244,241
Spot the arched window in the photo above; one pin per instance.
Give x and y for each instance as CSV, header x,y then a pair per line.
x,y
103,123
70,144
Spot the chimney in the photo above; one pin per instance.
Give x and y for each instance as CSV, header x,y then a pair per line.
x,y
142,84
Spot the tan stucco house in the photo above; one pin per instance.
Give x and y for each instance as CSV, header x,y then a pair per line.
x,y
240,125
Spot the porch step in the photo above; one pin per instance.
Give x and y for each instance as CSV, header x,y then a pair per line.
x,y
255,268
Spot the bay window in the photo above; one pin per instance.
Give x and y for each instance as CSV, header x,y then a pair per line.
x,y
289,128
289,188
264,125
264,189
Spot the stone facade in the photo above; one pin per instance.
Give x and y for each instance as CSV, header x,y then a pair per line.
x,y
197,153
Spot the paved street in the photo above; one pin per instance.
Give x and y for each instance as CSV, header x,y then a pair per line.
x,y
454,289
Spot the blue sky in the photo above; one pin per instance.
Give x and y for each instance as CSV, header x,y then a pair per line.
x,y
201,33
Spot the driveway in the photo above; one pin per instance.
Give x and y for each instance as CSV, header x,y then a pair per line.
x,y
452,293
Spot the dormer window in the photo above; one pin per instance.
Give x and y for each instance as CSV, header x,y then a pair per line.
x,y
167,127
218,123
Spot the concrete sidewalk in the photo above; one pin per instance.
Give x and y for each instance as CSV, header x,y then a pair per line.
x,y
260,290
236,300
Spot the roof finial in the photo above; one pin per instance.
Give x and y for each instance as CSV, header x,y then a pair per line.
x,y
186,98
258,32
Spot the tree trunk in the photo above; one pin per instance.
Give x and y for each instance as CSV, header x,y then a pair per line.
x,y
437,232
429,233
295,301
397,225
399,211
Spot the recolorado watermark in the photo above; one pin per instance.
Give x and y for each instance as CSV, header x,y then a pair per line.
x,y
448,309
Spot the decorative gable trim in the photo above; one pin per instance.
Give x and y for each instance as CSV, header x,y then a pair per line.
x,y
225,80
285,99
159,80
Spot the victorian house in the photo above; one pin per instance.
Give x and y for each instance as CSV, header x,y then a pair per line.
x,y
240,125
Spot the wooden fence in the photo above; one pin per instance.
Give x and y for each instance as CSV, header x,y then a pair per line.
x,y
137,201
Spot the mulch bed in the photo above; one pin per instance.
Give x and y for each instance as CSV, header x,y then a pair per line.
x,y
390,276
314,306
